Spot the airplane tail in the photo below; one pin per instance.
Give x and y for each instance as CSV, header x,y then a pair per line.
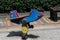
x,y
14,14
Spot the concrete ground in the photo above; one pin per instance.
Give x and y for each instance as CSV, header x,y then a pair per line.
x,y
40,32
36,34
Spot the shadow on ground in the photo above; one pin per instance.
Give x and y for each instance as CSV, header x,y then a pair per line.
x,y
19,33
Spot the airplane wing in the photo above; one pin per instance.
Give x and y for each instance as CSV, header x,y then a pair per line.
x,y
14,17
17,20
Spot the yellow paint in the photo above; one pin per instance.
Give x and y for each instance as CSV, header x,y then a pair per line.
x,y
45,19
24,29
7,22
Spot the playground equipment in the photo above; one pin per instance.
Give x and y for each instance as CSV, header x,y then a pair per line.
x,y
25,21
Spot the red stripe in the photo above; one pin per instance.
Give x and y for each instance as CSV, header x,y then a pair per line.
x,y
10,13
17,14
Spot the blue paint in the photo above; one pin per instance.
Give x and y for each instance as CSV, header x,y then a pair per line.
x,y
13,15
34,15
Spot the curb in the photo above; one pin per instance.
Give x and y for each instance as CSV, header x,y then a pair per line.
x,y
38,27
